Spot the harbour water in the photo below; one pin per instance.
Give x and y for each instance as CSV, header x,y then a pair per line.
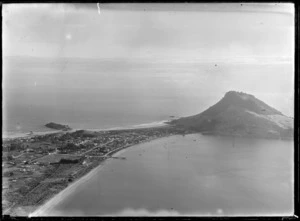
x,y
188,175
129,65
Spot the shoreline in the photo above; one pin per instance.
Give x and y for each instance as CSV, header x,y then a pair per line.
x,y
52,201
17,135
46,205
17,209
20,210
49,204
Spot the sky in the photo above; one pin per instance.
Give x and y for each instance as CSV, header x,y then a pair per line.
x,y
174,58
184,32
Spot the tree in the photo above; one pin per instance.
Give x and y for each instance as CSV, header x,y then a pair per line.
x,y
9,157
70,146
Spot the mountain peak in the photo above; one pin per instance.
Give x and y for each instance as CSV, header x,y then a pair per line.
x,y
239,94
247,102
240,100
242,113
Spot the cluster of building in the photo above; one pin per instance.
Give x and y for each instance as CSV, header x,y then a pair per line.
x,y
45,159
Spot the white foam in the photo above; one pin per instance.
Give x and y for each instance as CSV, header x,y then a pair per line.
x,y
12,135
145,125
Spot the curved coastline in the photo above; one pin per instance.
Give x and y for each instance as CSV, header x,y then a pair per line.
x,y
16,135
206,177
49,204
10,135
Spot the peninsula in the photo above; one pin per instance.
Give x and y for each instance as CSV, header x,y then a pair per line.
x,y
35,168
240,114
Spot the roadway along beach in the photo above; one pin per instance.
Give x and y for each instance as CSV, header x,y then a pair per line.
x,y
153,180
45,208
63,158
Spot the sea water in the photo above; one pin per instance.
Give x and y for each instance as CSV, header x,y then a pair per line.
x,y
105,93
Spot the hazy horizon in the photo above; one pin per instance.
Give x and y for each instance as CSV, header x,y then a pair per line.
x,y
127,69
146,60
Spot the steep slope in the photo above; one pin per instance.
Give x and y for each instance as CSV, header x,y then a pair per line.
x,y
240,114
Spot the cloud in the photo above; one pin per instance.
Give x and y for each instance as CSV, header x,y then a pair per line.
x,y
53,212
161,212
141,212
145,212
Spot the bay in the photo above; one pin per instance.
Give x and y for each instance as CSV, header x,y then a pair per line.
x,y
188,175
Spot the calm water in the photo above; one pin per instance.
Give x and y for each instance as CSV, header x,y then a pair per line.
x,y
105,93
191,175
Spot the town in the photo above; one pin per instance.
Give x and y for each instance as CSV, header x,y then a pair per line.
x,y
35,168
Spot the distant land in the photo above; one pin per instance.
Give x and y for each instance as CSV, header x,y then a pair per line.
x,y
240,114
56,126
37,167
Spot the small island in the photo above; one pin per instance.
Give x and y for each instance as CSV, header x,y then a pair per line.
x,y
35,168
56,126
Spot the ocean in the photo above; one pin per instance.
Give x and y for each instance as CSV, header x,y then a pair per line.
x,y
195,174
108,93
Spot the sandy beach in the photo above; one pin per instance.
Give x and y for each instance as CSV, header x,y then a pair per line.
x,y
138,126
48,205
205,187
44,209
22,135
39,133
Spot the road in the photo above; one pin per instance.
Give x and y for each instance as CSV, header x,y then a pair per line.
x,y
95,148
74,155
15,157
